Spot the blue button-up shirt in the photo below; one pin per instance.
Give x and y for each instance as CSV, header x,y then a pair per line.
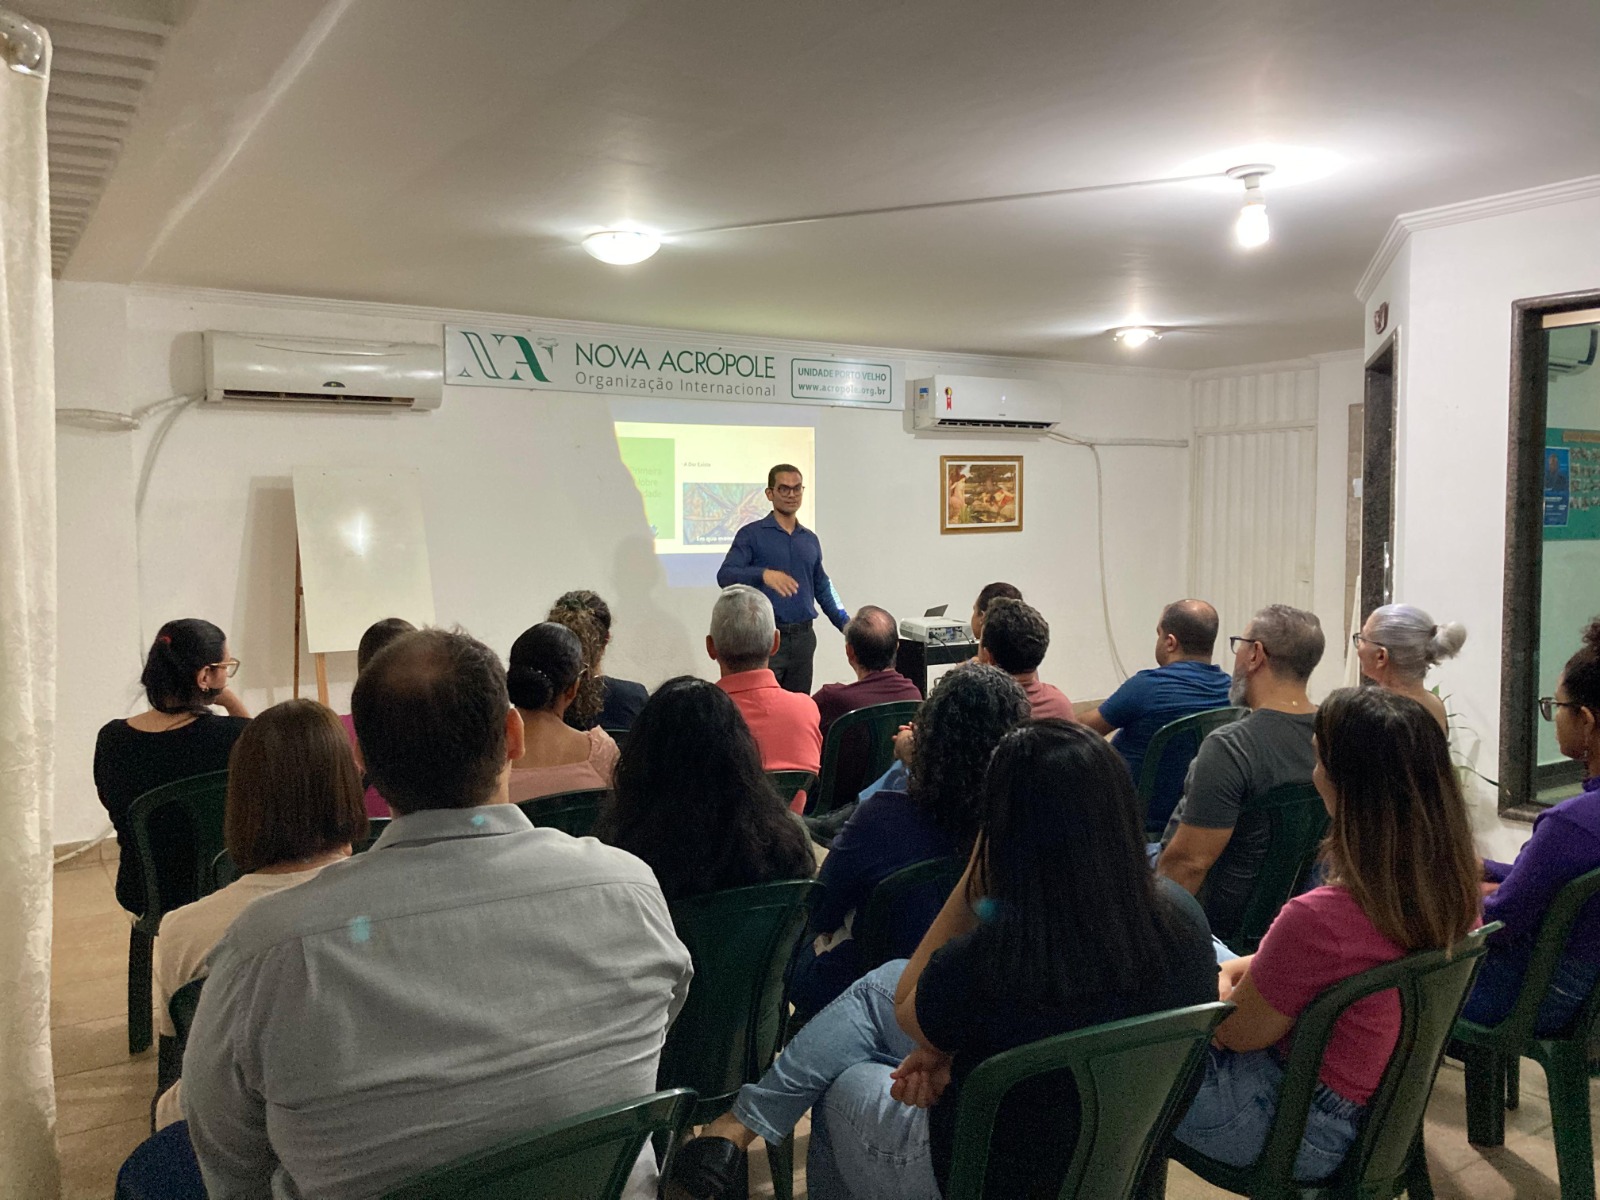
x,y
765,545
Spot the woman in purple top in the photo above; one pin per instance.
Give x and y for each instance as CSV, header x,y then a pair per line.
x,y
1565,844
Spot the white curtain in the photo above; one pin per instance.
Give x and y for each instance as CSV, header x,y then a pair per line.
x,y
29,1168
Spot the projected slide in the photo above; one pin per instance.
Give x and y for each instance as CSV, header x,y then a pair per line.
x,y
700,483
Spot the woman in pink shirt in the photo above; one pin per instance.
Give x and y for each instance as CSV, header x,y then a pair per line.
x,y
543,676
1402,876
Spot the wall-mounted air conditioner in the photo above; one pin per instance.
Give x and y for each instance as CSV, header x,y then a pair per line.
x,y
257,369
957,402
1572,349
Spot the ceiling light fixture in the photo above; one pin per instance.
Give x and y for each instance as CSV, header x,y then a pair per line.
x,y
1252,229
1135,336
621,247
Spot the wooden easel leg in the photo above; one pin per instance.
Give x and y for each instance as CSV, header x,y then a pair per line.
x,y
321,660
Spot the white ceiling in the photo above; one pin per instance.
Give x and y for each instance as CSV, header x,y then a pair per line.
x,y
453,152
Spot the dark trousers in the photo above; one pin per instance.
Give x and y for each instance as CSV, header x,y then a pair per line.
x,y
797,645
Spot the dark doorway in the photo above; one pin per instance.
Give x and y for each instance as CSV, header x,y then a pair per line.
x,y
1377,477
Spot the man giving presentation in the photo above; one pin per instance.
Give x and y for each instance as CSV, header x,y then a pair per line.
x,y
784,559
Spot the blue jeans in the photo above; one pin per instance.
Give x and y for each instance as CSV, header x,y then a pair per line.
x,y
162,1167
1499,983
1232,1114
864,1143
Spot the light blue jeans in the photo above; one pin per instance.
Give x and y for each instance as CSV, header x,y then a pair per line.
x,y
865,1145
1232,1114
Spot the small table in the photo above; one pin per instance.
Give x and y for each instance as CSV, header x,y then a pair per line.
x,y
914,658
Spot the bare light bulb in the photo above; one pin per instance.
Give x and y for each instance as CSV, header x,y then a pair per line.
x,y
621,247
1252,229
1135,336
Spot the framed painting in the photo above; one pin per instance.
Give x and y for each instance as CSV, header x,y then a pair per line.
x,y
980,494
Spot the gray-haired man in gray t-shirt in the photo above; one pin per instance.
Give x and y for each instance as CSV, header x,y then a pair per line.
x,y
1207,835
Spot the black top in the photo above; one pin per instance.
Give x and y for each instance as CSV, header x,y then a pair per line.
x,y
127,764
973,1019
623,700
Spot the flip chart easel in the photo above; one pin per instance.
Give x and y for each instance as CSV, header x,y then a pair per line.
x,y
361,555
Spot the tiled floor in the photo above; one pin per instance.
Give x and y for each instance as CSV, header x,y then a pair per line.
x,y
103,1096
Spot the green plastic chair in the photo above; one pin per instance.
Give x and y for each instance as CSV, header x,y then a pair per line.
x,y
169,1054
570,812
789,784
196,802
1297,821
619,736
1180,737
1134,1079
874,928
375,828
859,747
1490,1053
587,1157
1386,1158
222,872
728,1031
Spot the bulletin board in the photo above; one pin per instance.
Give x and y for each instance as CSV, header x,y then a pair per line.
x,y
1571,471
363,552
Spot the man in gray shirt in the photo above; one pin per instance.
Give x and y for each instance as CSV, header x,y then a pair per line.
x,y
467,980
1211,835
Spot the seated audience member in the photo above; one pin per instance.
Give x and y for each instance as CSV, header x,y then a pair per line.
x,y
1396,647
1015,638
1210,834
294,806
693,802
894,779
1184,682
934,816
185,673
990,593
378,635
1401,877
871,638
468,979
1565,844
743,638
543,675
620,699
1057,925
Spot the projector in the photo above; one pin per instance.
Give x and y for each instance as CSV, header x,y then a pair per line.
x,y
936,631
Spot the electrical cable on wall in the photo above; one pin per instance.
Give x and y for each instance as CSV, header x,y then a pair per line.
x,y
1092,445
109,421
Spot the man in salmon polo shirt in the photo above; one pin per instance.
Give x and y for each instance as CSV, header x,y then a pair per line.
x,y
743,638
1015,637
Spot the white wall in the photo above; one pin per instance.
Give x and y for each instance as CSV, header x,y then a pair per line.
x,y
1450,292
525,496
1301,410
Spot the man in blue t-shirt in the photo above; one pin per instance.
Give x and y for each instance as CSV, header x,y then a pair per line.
x,y
1185,682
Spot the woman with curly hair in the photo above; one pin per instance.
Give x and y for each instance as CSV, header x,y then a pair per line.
x,y
936,816
606,702
691,800
1565,844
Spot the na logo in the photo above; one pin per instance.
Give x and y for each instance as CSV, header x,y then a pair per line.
x,y
505,356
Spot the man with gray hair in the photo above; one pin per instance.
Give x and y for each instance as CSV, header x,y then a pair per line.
x,y
743,638
1211,835
870,641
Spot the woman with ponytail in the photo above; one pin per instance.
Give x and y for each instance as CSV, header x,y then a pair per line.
x,y
185,673
1398,644
1565,844
543,677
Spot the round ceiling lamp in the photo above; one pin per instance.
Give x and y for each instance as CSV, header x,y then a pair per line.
x,y
621,247
1134,336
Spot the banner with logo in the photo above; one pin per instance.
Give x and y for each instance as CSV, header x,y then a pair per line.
x,y
615,364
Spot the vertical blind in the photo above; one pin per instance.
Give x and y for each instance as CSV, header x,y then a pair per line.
x,y
1254,511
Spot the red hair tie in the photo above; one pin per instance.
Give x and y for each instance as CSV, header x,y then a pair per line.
x,y
165,639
